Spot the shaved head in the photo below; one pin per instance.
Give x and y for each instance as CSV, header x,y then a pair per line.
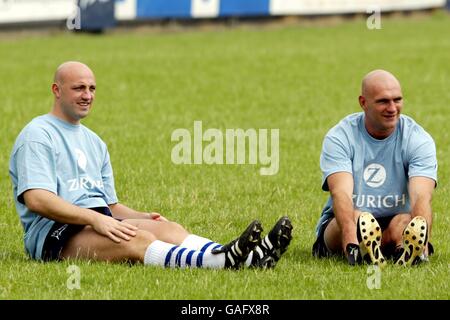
x,y
67,69
382,101
74,90
376,79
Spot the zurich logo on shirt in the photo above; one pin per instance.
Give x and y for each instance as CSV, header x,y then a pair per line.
x,y
84,182
374,175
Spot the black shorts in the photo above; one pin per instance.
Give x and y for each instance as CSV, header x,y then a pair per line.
x,y
320,250
60,233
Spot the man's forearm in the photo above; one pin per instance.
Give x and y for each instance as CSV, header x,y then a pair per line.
x,y
49,205
121,211
421,194
422,207
345,217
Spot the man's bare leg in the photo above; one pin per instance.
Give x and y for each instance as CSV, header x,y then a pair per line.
x,y
88,244
147,248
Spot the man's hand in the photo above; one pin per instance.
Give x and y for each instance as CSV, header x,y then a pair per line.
x,y
154,216
112,228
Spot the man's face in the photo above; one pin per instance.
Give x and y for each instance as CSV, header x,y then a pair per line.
x,y
382,106
75,94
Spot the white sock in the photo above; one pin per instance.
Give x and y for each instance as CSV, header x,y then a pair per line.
x,y
168,255
156,253
195,242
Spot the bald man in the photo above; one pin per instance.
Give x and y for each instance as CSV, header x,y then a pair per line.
x,y
380,168
64,194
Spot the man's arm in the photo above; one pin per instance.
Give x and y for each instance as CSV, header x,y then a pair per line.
x,y
341,189
49,205
420,194
121,211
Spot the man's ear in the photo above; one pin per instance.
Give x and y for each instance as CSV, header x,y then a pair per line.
x,y
56,90
362,102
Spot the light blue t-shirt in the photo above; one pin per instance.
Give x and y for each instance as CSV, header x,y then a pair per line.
x,y
68,160
380,168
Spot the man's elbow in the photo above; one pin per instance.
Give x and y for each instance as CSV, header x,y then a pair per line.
x,y
33,200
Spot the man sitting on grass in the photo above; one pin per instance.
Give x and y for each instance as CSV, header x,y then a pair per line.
x,y
381,169
64,194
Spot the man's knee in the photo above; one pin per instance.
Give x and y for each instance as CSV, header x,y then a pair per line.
x,y
399,222
403,218
394,230
143,238
176,227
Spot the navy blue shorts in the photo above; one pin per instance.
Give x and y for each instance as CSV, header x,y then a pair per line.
x,y
60,233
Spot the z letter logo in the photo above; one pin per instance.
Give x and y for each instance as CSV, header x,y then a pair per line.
x,y
81,159
374,175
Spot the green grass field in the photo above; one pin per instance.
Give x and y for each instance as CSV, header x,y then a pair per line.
x,y
299,79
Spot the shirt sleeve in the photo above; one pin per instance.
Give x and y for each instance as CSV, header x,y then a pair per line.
x,y
422,157
36,168
335,157
108,180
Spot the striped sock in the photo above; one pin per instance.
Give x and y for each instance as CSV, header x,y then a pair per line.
x,y
170,256
195,242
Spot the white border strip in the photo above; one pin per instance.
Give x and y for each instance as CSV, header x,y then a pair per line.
x,y
15,11
310,7
12,11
